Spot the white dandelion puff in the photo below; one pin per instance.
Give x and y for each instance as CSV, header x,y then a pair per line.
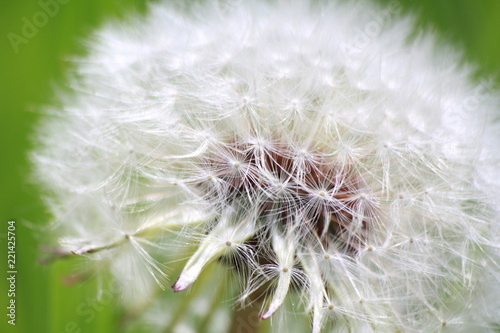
x,y
357,171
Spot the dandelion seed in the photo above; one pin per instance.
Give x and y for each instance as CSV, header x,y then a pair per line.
x,y
268,137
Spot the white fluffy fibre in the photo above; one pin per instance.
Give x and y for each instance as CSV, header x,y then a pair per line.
x,y
310,142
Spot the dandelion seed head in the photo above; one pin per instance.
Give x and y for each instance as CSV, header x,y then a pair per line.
x,y
315,155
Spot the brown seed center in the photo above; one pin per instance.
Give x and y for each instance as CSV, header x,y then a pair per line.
x,y
290,187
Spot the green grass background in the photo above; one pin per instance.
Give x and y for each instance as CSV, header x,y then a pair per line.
x,y
27,81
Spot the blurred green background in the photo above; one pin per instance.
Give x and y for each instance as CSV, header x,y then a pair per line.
x,y
30,70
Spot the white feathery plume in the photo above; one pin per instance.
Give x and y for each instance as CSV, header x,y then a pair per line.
x,y
318,150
